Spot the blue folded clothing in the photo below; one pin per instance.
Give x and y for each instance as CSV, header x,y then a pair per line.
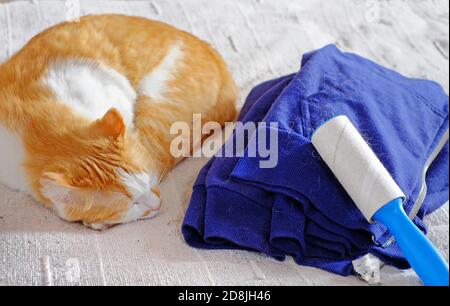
x,y
298,208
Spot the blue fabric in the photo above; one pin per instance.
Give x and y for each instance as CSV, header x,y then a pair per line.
x,y
298,208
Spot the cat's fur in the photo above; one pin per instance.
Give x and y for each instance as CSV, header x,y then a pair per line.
x,y
86,108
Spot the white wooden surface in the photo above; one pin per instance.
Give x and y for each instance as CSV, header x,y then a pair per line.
x,y
260,39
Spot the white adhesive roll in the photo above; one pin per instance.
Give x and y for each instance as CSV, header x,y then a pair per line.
x,y
355,165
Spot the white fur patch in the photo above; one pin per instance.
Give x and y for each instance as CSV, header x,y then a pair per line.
x,y
12,155
144,200
154,85
137,212
59,195
91,89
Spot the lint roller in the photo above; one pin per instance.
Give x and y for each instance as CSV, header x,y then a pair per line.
x,y
377,195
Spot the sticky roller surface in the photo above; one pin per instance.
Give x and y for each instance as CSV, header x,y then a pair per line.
x,y
355,165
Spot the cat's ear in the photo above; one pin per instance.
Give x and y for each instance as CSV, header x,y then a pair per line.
x,y
112,124
56,188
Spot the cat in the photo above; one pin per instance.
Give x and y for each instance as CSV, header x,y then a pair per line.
x,y
86,108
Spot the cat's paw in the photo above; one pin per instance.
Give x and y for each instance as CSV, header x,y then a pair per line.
x,y
97,226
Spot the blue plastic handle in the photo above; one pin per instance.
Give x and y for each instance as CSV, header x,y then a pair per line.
x,y
421,254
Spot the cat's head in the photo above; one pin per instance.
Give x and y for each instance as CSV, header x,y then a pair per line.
x,y
101,178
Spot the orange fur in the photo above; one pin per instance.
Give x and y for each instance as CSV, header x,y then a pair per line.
x,y
85,154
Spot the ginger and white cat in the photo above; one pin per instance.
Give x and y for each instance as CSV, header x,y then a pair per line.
x,y
86,108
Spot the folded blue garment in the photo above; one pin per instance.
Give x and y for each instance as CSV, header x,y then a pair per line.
x,y
298,208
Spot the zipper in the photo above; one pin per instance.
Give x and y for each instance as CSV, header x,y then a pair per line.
x,y
424,189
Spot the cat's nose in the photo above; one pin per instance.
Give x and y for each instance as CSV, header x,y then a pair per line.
x,y
155,205
151,204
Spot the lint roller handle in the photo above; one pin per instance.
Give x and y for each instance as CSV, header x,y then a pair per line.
x,y
377,195
421,254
